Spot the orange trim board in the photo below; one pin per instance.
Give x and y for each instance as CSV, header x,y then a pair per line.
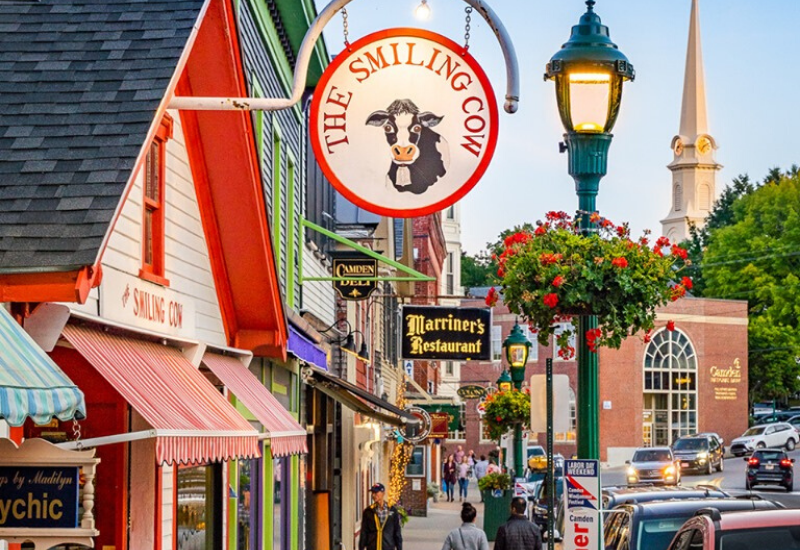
x,y
59,286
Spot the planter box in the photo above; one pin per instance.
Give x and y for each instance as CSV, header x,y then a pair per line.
x,y
496,511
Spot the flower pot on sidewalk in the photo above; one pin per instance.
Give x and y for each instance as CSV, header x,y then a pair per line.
x,y
496,510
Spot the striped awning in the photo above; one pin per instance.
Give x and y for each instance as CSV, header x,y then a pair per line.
x,y
31,384
193,422
286,436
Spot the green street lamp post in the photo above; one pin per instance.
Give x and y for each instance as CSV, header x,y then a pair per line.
x,y
517,348
589,72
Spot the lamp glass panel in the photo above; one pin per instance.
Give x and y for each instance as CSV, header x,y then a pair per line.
x,y
504,386
589,96
517,355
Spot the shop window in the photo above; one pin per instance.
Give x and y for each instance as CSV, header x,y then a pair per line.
x,y
569,437
460,432
153,219
485,438
416,463
281,506
448,368
497,342
248,504
199,521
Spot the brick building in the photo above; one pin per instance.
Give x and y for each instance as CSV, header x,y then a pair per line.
x,y
689,380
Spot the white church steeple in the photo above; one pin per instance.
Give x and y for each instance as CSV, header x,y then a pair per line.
x,y
694,167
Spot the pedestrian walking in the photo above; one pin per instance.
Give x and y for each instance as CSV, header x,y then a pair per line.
x,y
459,454
463,480
469,536
480,471
451,476
493,468
472,461
518,533
380,524
444,476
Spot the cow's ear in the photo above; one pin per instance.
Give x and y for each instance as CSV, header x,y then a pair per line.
x,y
378,118
428,119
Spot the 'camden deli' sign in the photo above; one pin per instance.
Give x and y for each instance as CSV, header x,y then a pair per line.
x,y
447,333
404,122
350,271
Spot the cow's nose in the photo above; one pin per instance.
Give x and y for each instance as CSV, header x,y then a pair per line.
x,y
403,153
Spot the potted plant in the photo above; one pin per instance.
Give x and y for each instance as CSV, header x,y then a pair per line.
x,y
558,270
433,491
497,493
504,409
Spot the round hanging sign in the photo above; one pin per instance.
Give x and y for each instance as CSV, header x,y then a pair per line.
x,y
404,122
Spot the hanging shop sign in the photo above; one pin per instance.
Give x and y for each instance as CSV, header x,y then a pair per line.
x,y
46,494
471,391
440,425
421,430
449,333
350,268
404,122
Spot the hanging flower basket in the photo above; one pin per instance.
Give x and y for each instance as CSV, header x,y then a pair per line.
x,y
505,409
557,272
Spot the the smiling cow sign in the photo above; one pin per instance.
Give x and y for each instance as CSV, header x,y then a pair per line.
x,y
404,122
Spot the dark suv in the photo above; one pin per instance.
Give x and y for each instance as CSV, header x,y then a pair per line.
x,y
652,525
770,467
699,453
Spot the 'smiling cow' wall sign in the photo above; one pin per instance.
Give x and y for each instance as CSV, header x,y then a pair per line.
x,y
404,122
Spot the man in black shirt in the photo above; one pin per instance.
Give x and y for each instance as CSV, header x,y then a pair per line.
x,y
518,533
380,524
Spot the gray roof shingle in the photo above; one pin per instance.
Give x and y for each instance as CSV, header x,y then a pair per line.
x,y
80,82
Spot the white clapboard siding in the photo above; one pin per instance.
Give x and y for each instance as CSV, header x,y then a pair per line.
x,y
167,506
187,263
318,297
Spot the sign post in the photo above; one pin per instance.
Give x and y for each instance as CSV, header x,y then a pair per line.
x,y
582,496
446,333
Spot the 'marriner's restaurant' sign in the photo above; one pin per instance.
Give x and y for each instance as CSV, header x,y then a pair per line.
x,y
446,333
404,122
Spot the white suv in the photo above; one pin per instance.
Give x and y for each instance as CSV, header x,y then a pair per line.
x,y
776,435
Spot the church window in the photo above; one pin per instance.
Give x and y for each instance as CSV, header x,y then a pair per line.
x,y
678,197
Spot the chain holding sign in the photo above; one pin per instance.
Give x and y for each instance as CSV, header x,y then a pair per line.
x,y
404,122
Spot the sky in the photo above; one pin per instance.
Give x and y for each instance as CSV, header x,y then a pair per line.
x,y
751,55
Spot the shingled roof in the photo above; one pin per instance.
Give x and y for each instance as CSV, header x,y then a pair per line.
x,y
80,83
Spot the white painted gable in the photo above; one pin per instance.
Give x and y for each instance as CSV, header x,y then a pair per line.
x,y
188,307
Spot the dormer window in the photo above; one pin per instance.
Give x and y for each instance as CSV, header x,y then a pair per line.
x,y
153,206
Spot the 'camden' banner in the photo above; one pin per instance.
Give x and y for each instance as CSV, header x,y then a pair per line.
x,y
448,333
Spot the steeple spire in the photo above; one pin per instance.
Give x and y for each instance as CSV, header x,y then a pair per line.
x,y
694,118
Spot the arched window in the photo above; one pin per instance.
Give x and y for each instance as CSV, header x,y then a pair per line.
x,y
569,437
670,387
677,196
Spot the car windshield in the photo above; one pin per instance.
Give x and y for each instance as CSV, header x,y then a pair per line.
x,y
695,444
651,456
658,533
769,455
783,538
756,430
535,451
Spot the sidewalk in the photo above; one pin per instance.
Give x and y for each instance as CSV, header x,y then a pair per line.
x,y
428,533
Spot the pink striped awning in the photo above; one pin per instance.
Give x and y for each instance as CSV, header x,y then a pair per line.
x,y
193,422
287,437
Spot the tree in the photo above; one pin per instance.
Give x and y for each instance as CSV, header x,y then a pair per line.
x,y
481,269
753,253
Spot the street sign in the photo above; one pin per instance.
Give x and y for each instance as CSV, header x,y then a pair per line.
x,y
519,488
471,391
582,495
561,405
409,368
404,122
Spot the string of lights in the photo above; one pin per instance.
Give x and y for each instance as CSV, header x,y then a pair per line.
x,y
400,457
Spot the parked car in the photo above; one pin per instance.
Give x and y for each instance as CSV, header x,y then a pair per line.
x,y
769,467
794,421
614,496
719,438
537,458
701,453
538,512
711,530
652,525
653,465
779,434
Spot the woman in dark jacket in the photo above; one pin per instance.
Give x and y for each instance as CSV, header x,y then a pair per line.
x,y
380,524
450,476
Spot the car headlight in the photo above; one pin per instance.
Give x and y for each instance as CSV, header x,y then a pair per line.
x,y
669,470
632,471
702,456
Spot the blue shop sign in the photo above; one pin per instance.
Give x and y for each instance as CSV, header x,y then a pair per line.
x,y
39,496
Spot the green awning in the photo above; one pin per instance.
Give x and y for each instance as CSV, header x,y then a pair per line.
x,y
454,412
31,384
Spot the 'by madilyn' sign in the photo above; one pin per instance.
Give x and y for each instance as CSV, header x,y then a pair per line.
x,y
38,496
446,333
404,122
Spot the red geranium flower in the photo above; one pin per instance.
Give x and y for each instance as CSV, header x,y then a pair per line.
x,y
499,418
550,300
670,325
541,230
679,252
558,281
492,297
619,262
687,282
662,241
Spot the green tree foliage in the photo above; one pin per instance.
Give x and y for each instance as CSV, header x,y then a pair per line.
x,y
752,252
481,269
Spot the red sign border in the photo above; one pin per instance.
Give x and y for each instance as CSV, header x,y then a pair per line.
x,y
465,188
